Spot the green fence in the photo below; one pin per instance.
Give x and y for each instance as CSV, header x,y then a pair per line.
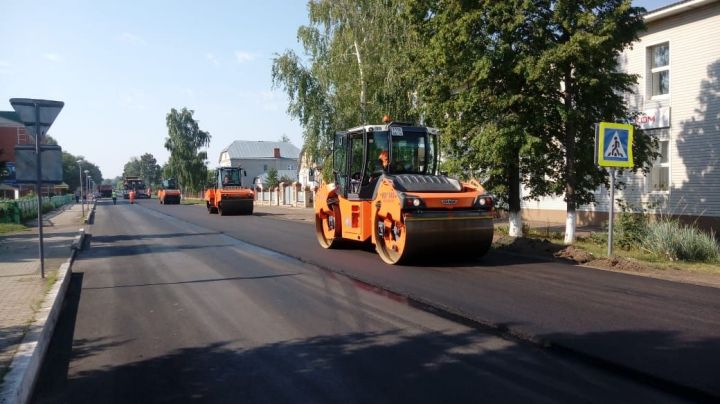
x,y
20,210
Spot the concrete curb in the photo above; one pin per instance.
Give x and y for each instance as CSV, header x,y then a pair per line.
x,y
22,374
91,214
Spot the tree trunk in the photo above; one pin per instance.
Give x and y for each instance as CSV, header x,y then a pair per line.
x,y
515,223
363,86
570,180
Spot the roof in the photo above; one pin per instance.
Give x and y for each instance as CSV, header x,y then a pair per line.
x,y
386,127
10,117
259,149
675,8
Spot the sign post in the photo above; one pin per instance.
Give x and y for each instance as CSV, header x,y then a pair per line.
x,y
613,148
37,116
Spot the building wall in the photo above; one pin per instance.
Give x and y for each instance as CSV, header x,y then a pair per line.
x,y
11,134
694,133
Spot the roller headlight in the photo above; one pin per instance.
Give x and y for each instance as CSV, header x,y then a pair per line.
x,y
410,201
484,202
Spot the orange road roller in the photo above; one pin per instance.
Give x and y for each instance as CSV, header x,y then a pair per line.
x,y
169,193
228,196
387,191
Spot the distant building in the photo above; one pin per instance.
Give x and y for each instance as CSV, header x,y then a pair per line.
x,y
677,60
12,133
310,173
257,157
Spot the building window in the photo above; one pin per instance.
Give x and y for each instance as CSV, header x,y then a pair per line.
x,y
264,168
660,173
659,70
290,167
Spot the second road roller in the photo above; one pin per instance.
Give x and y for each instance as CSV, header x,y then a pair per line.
x,y
228,196
387,191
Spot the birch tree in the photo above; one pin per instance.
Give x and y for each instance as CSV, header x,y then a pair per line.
x,y
353,71
185,138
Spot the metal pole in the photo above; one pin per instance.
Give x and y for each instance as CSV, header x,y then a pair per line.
x,y
87,187
82,203
612,209
38,134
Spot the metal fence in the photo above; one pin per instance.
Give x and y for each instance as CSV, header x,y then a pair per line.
x,y
287,195
18,210
301,198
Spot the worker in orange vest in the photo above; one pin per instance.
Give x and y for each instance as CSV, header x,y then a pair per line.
x,y
132,196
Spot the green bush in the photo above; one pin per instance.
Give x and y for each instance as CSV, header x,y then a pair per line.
x,y
631,227
674,241
598,237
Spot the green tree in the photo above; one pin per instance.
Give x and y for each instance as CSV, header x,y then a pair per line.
x,y
272,180
210,181
473,85
357,71
145,167
71,174
187,162
579,75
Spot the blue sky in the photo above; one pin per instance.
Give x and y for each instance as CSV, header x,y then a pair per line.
x,y
120,66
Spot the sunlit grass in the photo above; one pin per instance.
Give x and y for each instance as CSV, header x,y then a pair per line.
x,y
596,244
11,227
191,201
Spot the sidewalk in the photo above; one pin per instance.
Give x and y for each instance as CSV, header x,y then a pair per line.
x,y
21,287
308,215
285,213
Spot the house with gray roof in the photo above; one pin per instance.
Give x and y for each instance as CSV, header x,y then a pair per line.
x,y
256,157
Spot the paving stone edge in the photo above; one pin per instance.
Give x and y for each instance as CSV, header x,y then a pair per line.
x,y
21,377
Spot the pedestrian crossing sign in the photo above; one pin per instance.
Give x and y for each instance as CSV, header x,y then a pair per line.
x,y
613,145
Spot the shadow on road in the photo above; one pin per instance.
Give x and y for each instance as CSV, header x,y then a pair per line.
x,y
53,374
234,278
129,250
125,237
359,367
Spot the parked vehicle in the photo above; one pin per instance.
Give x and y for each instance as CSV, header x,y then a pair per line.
x,y
105,190
387,191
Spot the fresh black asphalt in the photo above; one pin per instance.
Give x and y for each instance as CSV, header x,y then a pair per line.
x,y
172,304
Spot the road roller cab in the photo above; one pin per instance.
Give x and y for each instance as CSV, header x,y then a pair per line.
x,y
386,191
169,192
228,196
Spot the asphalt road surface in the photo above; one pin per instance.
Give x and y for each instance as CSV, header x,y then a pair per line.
x,y
170,304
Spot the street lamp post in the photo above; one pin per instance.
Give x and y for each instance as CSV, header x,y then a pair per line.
x,y
82,205
87,185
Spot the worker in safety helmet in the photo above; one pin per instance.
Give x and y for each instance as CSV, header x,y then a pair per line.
x,y
132,196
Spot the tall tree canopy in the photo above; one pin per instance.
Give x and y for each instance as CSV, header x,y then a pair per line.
x,y
184,141
474,86
515,86
355,73
578,73
145,167
71,171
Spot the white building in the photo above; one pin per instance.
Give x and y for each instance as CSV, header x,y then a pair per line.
x,y
257,157
678,93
